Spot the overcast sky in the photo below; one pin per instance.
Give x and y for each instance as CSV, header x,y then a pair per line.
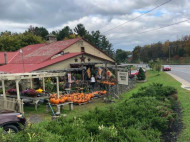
x,y
103,15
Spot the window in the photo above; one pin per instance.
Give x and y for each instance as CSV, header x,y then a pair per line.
x,y
82,49
76,60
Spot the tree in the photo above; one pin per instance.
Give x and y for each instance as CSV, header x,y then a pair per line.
x,y
64,33
121,56
136,54
38,31
80,30
151,65
165,48
158,66
41,31
141,74
13,42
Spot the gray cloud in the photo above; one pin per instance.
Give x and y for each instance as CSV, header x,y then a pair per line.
x,y
18,15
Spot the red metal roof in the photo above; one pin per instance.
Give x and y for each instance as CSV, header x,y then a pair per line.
x,y
38,53
10,56
36,56
19,68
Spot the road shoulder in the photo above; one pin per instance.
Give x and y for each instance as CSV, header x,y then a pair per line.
x,y
185,84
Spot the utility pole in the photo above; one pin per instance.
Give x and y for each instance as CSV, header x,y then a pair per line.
x,y
169,54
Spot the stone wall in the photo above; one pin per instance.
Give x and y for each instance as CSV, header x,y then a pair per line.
x,y
121,88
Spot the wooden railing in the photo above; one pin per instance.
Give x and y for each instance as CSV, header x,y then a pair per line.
x,y
11,104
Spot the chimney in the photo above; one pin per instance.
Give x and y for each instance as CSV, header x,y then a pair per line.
x,y
5,57
50,38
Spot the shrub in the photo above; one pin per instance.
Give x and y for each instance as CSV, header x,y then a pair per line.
x,y
141,74
142,118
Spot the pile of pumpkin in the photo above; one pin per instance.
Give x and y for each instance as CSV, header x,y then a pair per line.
x,y
76,98
108,83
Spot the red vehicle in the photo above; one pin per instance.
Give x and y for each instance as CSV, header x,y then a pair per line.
x,y
11,121
134,73
166,68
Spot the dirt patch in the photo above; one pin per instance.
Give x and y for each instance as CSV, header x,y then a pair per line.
x,y
35,118
172,133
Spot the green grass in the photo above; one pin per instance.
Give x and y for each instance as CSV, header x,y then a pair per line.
x,y
183,97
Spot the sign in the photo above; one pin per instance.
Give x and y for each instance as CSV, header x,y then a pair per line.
x,y
123,78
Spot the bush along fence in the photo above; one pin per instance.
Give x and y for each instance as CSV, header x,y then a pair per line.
x,y
142,118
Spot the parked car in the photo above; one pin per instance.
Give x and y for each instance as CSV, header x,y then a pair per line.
x,y
166,68
133,73
11,121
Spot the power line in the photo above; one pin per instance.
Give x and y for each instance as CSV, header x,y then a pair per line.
x,y
156,29
137,16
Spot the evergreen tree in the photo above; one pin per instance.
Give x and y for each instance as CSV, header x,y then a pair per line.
x,y
141,74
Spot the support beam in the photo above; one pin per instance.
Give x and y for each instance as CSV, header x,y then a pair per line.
x,y
57,78
106,76
3,87
117,86
43,83
17,89
19,101
82,73
31,83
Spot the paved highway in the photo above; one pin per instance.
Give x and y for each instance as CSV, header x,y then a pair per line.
x,y
182,71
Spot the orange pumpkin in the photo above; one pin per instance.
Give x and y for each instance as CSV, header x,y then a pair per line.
x,y
104,92
52,100
56,101
62,100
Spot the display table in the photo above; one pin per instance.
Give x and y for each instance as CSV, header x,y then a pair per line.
x,y
60,107
32,100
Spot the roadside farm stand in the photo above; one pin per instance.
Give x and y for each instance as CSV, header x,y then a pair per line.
x,y
16,103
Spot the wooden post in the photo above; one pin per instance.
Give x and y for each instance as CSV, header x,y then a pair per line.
x,y
17,89
57,78
3,87
106,76
82,73
18,96
117,86
43,83
31,83
4,95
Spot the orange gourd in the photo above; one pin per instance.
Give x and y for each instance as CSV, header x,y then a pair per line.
x,y
56,101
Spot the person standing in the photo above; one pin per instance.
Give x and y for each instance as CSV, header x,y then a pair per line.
x,y
92,81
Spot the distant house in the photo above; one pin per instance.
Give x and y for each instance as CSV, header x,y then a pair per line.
x,y
52,55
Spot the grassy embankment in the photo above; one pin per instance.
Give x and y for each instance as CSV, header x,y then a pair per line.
x,y
183,97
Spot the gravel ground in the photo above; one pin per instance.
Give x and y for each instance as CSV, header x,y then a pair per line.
x,y
35,118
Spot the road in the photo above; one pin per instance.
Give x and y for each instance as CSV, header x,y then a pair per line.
x,y
182,74
182,71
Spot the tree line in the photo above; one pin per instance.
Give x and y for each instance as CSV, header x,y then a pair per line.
x,y
13,41
165,50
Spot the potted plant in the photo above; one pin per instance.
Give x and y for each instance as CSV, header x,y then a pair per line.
x,y
30,93
12,91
